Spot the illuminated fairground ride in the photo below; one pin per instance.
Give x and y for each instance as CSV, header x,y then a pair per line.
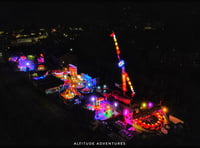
x,y
70,79
89,84
77,84
121,65
36,77
28,63
142,118
103,109
151,118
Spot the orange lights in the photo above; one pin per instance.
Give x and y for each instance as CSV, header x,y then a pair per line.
x,y
124,74
164,109
129,82
154,126
124,82
41,67
116,44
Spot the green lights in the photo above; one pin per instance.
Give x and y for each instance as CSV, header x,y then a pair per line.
x,y
144,105
31,57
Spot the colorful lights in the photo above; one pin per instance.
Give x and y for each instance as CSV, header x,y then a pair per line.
x,y
25,64
164,109
131,87
103,110
23,57
34,74
42,55
121,63
93,98
124,82
41,77
31,57
41,67
144,105
150,104
86,90
125,112
69,94
73,69
104,86
116,44
98,89
13,59
38,78
151,126
40,60
115,104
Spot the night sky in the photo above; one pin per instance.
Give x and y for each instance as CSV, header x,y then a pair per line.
x,y
92,12
56,12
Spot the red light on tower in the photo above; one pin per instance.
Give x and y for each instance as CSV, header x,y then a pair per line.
x,y
112,35
118,52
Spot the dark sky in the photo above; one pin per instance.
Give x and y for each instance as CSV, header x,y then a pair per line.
x,y
56,12
89,12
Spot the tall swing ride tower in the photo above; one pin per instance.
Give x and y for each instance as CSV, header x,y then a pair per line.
x,y
121,64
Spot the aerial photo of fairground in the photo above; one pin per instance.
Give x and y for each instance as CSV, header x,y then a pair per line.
x,y
99,73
